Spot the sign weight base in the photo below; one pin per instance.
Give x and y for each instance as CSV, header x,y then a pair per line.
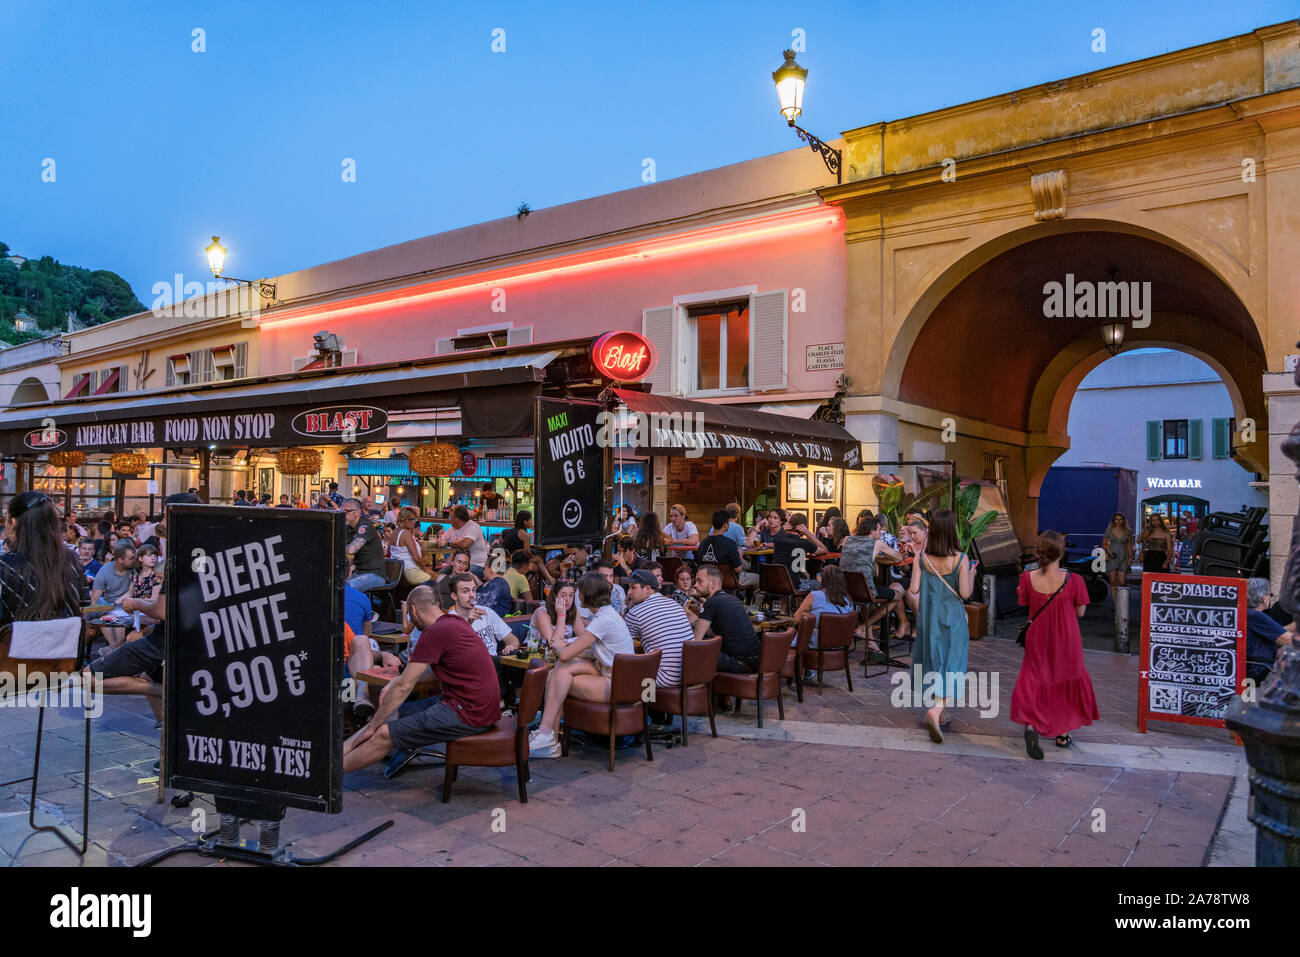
x,y
251,853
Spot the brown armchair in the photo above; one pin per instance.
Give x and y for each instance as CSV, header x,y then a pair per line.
x,y
834,639
624,713
695,693
507,741
766,682
775,581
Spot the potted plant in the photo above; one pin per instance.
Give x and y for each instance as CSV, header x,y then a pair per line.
x,y
894,501
969,528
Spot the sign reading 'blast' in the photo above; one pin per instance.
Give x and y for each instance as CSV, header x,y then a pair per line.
x,y
254,654
570,472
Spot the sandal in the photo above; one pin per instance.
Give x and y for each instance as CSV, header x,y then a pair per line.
x,y
1031,744
1063,740
935,734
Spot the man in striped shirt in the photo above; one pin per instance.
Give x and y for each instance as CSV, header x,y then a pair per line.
x,y
660,624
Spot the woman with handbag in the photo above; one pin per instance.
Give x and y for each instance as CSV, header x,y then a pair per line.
x,y
1053,693
942,579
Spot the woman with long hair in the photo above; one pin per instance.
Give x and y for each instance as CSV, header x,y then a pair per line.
x,y
40,577
406,548
832,597
147,579
1157,546
555,617
824,529
1118,543
943,577
649,538
627,519
1053,693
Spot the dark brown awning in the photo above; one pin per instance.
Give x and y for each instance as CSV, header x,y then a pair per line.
x,y
277,410
671,426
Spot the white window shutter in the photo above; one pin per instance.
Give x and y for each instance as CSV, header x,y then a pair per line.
x,y
443,346
659,325
301,361
241,360
170,375
349,357
522,336
767,346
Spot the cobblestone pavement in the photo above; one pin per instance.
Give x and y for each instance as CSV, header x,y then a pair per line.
x,y
847,778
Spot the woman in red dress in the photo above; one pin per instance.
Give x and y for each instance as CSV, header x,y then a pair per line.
x,y
1053,693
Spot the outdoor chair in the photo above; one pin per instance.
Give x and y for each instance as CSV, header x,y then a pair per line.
x,y
58,650
834,638
775,581
764,683
387,592
626,712
695,693
507,741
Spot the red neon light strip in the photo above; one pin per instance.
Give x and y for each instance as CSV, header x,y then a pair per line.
x,y
668,246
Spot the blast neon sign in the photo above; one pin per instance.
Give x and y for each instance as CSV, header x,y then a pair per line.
x,y
623,356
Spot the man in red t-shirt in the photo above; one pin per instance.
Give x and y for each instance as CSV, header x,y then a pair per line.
x,y
470,702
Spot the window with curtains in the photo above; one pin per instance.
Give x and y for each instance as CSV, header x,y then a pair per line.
x,y
719,337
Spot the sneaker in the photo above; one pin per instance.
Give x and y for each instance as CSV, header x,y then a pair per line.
x,y
543,745
362,712
809,676
507,713
399,760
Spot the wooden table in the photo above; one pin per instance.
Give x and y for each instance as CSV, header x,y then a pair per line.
x,y
512,661
378,678
773,624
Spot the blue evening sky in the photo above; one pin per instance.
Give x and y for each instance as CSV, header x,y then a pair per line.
x,y
156,147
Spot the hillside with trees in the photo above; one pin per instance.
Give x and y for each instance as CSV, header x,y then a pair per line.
x,y
47,291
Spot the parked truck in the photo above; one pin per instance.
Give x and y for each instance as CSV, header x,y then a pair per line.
x,y
1079,502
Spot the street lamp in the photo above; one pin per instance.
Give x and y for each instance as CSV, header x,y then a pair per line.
x,y
790,79
1112,334
216,254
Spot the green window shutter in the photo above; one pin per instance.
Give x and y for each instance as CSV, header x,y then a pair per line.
x,y
1222,439
1153,440
1194,438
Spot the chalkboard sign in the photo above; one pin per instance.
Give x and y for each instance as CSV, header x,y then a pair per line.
x,y
255,654
1193,657
569,488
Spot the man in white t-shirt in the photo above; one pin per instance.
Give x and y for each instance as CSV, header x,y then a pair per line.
x,y
467,534
617,597
585,665
486,623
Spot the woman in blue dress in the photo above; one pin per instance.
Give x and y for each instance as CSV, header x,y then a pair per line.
x,y
942,579
832,597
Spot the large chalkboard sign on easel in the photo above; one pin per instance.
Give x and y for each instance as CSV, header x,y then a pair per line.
x,y
255,654
1193,658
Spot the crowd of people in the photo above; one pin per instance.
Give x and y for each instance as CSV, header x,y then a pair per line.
x,y
472,599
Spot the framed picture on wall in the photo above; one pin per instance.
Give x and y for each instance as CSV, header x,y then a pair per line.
x,y
266,481
796,486
819,519
315,481
823,486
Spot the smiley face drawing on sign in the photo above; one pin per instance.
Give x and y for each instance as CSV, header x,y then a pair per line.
x,y
571,514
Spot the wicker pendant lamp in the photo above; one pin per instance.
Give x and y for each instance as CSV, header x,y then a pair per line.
x,y
298,461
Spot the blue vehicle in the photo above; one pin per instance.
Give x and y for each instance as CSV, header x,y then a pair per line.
x,y
1078,502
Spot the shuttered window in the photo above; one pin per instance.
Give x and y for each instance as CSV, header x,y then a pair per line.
x,y
1153,440
767,341
659,325
1221,442
1194,438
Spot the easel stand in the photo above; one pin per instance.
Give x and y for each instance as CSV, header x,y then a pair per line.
x,y
266,850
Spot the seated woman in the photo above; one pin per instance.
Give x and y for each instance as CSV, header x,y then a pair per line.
x,y
459,565
552,623
147,579
832,597
585,665
405,547
685,585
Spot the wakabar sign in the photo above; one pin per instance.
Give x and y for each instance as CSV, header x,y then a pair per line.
x,y
315,425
